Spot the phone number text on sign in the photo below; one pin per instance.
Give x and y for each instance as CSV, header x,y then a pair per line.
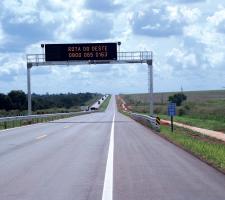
x,y
88,52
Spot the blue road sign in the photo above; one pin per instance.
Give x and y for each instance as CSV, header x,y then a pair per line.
x,y
172,109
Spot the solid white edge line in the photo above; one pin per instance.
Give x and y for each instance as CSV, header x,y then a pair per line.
x,y
107,193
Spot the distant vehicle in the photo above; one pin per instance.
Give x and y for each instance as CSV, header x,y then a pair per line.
x,y
94,108
84,108
99,102
102,98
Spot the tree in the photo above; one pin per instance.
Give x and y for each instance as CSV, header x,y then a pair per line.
x,y
18,99
5,103
177,98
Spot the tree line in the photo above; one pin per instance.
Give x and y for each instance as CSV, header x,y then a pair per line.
x,y
17,100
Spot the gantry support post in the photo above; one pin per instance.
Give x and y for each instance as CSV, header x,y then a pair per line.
x,y
150,87
29,102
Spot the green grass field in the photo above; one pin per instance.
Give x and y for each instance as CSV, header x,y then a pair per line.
x,y
210,150
192,96
201,123
205,109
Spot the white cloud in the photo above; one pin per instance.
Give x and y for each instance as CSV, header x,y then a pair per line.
x,y
187,39
2,36
23,11
188,1
163,21
217,20
103,6
183,14
11,66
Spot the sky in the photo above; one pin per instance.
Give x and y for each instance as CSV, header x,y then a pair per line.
x,y
187,38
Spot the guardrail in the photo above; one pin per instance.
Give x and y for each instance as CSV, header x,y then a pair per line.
x,y
154,122
39,118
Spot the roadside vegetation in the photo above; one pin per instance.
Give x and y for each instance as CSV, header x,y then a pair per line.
x,y
105,104
204,109
15,103
216,125
207,149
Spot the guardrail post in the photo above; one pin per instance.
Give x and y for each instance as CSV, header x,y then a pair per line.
x,y
5,125
29,66
150,79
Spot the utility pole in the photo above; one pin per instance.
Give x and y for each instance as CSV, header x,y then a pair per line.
x,y
182,91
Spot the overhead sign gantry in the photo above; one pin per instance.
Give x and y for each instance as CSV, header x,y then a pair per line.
x,y
85,54
88,51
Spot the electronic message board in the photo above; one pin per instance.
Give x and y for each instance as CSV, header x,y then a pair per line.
x,y
81,52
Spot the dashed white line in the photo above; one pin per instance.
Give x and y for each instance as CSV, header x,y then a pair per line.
x,y
41,137
108,182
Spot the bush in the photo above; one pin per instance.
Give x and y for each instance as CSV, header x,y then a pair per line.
x,y
181,112
160,110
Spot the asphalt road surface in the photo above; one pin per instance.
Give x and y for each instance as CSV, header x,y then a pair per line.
x,y
100,156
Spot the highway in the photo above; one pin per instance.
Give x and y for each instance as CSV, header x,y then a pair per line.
x,y
100,156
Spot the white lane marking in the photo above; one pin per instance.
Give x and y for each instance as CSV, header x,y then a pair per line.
x,y
41,137
65,127
108,182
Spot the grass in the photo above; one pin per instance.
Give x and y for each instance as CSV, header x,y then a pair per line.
x,y
162,98
105,104
204,109
209,150
201,123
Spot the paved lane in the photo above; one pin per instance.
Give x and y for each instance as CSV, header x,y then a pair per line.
x,y
67,159
148,167
68,163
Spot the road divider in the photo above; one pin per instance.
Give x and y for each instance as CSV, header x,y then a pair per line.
x,y
17,121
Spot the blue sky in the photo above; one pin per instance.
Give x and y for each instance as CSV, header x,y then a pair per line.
x,y
187,38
